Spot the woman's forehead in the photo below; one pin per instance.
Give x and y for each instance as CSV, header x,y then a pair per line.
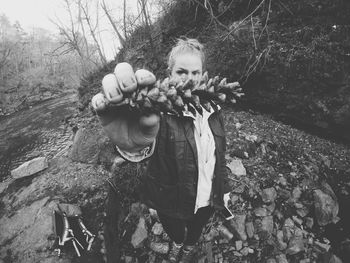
x,y
188,60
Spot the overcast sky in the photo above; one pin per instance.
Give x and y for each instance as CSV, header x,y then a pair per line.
x,y
37,13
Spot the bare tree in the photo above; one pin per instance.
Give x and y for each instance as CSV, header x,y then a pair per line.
x,y
92,29
113,23
146,20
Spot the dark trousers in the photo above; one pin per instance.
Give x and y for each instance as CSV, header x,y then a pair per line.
x,y
175,228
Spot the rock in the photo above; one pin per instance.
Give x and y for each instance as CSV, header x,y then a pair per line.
x,y
326,208
157,229
26,232
140,234
321,247
238,190
281,244
91,145
208,248
234,198
284,194
251,138
270,208
138,209
281,258
29,168
5,184
297,220
267,225
335,259
309,222
238,125
302,210
245,251
160,248
213,233
296,244
282,181
239,245
287,229
153,213
260,211
249,226
128,259
237,168
224,232
268,195
238,225
296,193
237,254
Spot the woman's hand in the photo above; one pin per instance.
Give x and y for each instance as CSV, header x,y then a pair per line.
x,y
130,131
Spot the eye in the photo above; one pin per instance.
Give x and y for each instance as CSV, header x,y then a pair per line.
x,y
181,72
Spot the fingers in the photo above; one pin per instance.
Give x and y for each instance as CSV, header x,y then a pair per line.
x,y
111,88
99,102
126,77
145,77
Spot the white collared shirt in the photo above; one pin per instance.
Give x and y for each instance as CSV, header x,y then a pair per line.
x,y
206,158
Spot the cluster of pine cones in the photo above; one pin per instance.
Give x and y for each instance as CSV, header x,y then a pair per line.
x,y
175,97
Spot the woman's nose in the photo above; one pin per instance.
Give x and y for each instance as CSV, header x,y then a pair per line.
x,y
190,76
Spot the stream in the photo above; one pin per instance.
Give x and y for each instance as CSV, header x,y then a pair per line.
x,y
37,131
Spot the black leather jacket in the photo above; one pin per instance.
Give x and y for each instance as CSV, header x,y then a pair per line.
x,y
170,183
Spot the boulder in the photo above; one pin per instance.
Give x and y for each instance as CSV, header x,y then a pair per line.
x,y
157,229
249,229
26,233
238,225
260,211
268,195
280,240
326,207
335,259
296,244
91,145
267,225
159,247
281,258
296,193
237,168
29,168
140,234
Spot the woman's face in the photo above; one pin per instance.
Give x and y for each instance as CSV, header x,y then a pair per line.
x,y
187,66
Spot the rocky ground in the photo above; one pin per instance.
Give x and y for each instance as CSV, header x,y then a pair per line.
x,y
290,193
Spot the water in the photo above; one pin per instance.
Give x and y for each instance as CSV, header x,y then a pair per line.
x,y
38,131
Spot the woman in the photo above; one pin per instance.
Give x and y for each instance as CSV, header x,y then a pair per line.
x,y
186,177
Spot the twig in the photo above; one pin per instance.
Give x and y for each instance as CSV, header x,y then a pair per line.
x,y
212,17
285,7
227,8
253,29
267,19
244,19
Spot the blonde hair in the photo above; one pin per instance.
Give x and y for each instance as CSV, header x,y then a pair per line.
x,y
185,45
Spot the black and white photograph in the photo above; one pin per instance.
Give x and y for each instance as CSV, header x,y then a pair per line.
x,y
174,131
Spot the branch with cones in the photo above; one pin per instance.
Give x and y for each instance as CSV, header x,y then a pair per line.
x,y
147,94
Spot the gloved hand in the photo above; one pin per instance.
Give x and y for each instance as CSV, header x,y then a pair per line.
x,y
130,131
